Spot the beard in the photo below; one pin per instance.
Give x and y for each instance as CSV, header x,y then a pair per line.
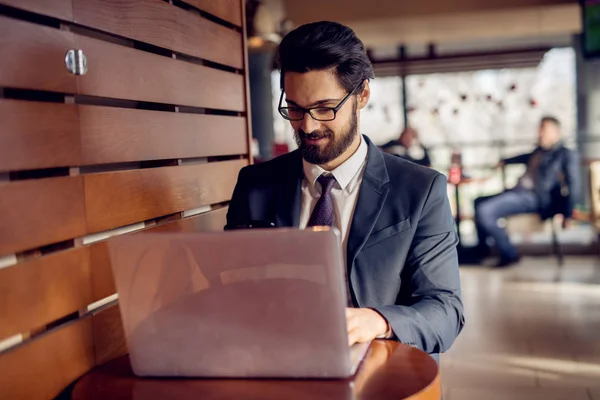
x,y
337,144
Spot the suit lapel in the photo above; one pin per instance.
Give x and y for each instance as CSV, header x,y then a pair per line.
x,y
371,200
289,194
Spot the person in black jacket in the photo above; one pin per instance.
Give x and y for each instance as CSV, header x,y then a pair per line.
x,y
549,186
409,148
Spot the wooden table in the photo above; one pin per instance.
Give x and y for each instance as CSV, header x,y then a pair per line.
x,y
390,371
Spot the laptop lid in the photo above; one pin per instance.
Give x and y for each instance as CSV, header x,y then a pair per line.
x,y
248,303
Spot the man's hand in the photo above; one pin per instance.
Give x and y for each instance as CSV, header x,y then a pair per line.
x,y
364,325
565,223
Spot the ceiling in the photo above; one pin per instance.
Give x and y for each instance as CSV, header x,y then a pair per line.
x,y
389,23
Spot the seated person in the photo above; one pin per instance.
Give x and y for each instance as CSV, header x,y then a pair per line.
x,y
397,230
409,148
549,187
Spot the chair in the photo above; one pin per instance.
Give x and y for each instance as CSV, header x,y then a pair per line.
x,y
528,224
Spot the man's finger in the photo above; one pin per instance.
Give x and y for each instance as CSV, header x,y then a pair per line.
x,y
353,336
352,323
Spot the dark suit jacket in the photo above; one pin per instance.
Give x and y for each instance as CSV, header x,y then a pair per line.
x,y
402,259
558,184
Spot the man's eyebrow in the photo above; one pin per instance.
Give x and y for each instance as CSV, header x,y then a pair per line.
x,y
315,104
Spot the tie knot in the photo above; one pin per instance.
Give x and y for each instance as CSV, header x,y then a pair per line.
x,y
327,183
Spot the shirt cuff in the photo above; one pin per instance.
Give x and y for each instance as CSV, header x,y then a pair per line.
x,y
388,334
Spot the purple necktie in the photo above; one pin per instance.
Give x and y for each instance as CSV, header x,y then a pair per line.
x,y
322,214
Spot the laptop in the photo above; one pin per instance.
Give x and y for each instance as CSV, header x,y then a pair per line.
x,y
260,303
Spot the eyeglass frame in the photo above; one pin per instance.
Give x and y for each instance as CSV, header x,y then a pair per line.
x,y
307,110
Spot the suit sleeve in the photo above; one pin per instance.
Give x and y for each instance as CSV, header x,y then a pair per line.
x,y
426,159
239,207
572,180
520,159
432,317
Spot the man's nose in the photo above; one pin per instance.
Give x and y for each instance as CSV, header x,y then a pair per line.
x,y
309,124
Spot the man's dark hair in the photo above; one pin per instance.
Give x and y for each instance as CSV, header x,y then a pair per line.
x,y
551,120
326,45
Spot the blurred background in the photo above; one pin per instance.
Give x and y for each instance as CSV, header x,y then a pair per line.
x,y
472,78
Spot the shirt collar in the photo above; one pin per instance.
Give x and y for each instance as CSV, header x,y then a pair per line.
x,y
344,173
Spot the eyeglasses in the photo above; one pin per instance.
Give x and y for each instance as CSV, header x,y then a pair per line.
x,y
317,113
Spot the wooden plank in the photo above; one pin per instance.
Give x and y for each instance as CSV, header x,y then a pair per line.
x,y
43,367
41,291
33,57
39,212
228,10
121,198
103,281
164,25
103,284
54,8
110,135
38,135
109,336
121,72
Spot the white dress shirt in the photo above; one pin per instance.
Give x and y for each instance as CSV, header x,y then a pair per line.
x,y
348,178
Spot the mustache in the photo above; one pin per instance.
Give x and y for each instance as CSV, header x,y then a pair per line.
x,y
314,135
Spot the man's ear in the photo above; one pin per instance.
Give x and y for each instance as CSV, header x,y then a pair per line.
x,y
363,98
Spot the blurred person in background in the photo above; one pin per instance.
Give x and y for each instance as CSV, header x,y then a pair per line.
x,y
396,228
409,148
550,186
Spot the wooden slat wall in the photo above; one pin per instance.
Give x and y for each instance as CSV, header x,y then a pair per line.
x,y
33,57
111,135
109,336
180,30
43,367
227,10
145,138
51,139
44,290
41,211
122,198
64,135
120,72
55,8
